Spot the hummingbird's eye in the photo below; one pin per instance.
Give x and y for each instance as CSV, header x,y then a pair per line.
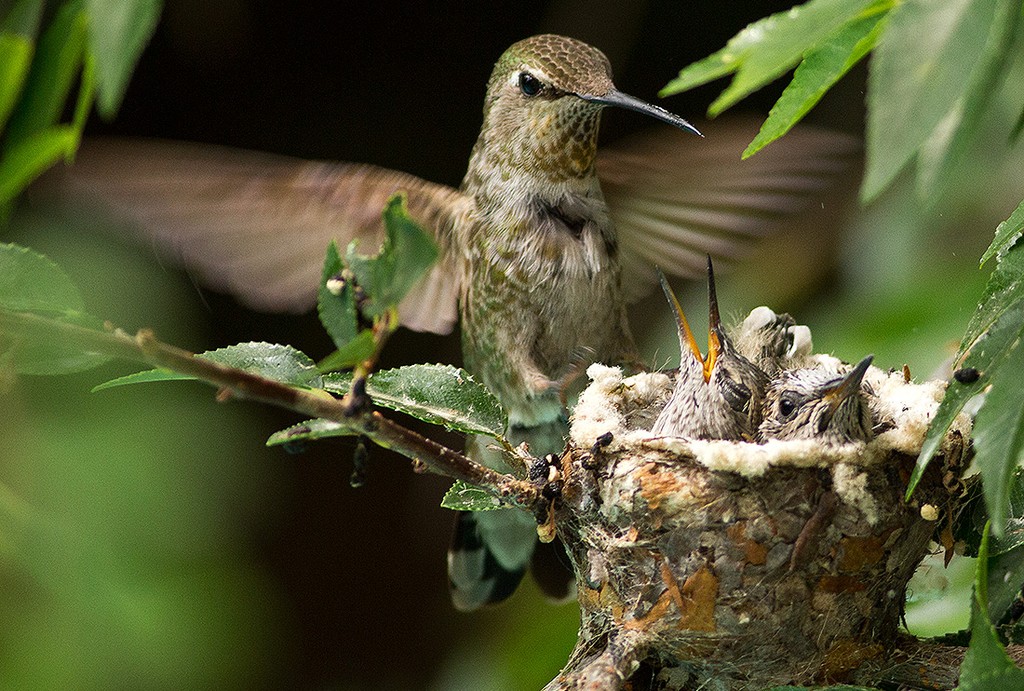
x,y
787,406
529,85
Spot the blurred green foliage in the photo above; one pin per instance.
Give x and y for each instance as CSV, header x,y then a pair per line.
x,y
121,552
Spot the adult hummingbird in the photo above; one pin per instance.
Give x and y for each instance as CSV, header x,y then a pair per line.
x,y
717,396
818,403
542,245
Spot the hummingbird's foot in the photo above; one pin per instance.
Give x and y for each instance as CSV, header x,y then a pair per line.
x,y
565,383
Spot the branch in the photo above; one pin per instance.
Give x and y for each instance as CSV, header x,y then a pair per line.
x,y
236,383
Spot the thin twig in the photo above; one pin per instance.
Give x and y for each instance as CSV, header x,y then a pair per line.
x,y
236,383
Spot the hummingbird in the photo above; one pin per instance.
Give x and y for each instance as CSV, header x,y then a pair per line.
x,y
541,247
773,342
715,397
818,403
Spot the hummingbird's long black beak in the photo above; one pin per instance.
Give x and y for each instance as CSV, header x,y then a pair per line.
x,y
685,334
614,97
846,387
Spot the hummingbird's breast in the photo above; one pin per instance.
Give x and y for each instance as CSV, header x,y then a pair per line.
x,y
541,295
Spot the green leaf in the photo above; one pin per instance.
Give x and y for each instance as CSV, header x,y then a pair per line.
x,y
957,132
923,65
310,429
15,58
995,326
153,375
439,394
29,282
820,69
279,363
23,19
465,497
1003,292
119,30
999,428
30,157
405,255
351,354
1005,554
986,665
1007,234
56,66
766,49
336,303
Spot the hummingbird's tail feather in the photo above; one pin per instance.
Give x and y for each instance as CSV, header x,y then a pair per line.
x,y
488,556
253,224
552,571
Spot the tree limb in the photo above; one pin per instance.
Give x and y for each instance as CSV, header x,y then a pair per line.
x,y
236,383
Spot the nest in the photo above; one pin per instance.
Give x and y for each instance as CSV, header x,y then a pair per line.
x,y
760,564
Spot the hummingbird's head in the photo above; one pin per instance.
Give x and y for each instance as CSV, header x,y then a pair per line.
x,y
818,403
736,379
543,104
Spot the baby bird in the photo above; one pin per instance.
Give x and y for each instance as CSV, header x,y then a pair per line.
x,y
717,397
818,403
773,342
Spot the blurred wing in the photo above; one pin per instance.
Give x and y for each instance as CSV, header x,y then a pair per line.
x,y
257,225
675,199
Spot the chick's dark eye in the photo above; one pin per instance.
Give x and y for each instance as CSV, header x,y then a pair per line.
x,y
786,407
529,85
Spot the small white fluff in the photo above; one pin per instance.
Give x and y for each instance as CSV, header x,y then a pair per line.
x,y
599,408
851,485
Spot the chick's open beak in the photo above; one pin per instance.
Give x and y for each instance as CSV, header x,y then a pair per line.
x,y
686,334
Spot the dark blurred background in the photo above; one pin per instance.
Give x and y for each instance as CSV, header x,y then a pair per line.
x,y
166,547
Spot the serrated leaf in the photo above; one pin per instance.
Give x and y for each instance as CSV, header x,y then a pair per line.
x,y
54,70
1007,234
405,255
766,49
819,70
999,428
310,429
1003,292
28,158
279,363
996,325
462,496
145,377
30,282
921,68
986,665
439,394
336,302
120,30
